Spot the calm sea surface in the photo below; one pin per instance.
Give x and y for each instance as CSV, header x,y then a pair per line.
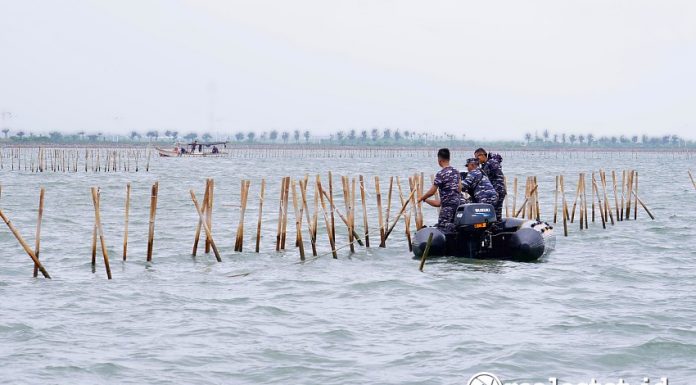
x,y
606,304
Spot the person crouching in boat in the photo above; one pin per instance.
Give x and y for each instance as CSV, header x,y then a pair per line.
x,y
477,184
447,182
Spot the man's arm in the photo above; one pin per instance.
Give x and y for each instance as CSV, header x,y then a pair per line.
x,y
429,193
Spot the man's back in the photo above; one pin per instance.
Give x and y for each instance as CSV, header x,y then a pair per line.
x,y
447,182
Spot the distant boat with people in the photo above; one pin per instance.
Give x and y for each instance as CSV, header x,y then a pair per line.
x,y
195,149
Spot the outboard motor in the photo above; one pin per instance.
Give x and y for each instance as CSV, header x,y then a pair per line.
x,y
473,221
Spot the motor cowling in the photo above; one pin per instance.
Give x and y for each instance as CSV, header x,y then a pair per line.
x,y
471,217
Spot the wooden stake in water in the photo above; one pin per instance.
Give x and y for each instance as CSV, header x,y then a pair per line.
x,y
692,179
407,216
364,209
326,218
37,246
125,229
595,193
635,204
209,213
100,231
208,233
333,209
280,213
379,212
310,224
298,221
644,206
197,236
426,252
151,229
24,245
258,224
565,207
286,205
239,245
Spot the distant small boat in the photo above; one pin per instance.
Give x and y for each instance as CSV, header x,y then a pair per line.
x,y
195,150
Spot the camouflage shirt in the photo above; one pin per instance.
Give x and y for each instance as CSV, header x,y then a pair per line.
x,y
447,181
494,172
477,185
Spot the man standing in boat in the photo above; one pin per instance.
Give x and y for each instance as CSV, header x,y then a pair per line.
x,y
490,165
447,182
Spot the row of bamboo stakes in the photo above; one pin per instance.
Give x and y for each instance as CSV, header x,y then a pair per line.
x,y
307,212
104,159
43,159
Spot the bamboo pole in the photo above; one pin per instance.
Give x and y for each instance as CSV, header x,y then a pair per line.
x,y
24,245
577,196
37,241
426,252
364,209
199,226
584,199
592,196
333,209
153,212
396,219
635,204
286,206
326,218
565,207
623,193
379,212
125,229
280,213
310,224
407,217
96,200
298,221
208,233
524,204
595,193
346,200
644,206
258,224
389,198
616,196
244,191
607,205
209,213
692,178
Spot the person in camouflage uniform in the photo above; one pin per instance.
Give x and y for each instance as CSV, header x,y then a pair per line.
x,y
447,182
490,165
477,185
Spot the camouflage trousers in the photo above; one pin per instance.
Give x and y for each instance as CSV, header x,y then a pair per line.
x,y
499,207
445,222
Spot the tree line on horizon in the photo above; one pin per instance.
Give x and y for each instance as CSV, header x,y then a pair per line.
x,y
374,136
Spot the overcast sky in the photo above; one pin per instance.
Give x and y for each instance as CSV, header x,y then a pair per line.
x,y
486,69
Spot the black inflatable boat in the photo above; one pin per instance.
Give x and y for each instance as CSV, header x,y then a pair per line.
x,y
477,236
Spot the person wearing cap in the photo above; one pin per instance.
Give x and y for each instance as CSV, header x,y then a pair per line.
x,y
477,185
447,181
490,165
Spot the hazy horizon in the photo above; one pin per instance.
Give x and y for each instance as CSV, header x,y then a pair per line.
x,y
491,71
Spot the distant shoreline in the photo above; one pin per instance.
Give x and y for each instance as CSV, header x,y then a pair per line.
x,y
347,147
